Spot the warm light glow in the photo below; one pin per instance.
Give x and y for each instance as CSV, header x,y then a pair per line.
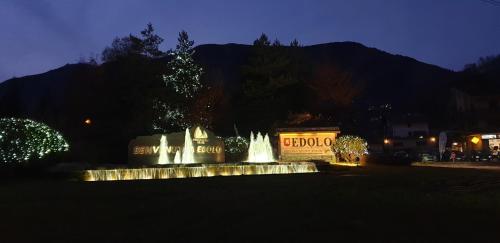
x,y
298,145
489,136
260,149
433,139
188,149
475,140
455,144
163,158
352,164
386,141
88,121
204,170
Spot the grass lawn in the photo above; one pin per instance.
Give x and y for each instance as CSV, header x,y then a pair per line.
x,y
370,204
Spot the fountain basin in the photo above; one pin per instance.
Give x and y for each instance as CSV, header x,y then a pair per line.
x,y
198,170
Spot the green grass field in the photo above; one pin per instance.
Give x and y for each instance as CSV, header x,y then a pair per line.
x,y
370,204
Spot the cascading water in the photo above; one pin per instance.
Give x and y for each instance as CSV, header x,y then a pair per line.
x,y
198,171
260,149
251,154
198,133
188,150
177,158
163,159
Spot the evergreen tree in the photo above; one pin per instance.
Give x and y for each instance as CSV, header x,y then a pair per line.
x,y
263,40
184,75
123,47
183,84
151,42
270,68
276,43
295,43
131,45
270,79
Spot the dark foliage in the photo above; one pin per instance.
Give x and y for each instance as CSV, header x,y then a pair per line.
x,y
255,87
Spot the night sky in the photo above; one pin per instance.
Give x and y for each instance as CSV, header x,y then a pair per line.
x,y
39,35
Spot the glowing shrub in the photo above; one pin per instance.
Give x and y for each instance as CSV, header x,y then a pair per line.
x,y
236,148
349,148
22,140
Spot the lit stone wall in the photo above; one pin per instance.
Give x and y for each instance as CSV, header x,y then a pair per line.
x,y
204,170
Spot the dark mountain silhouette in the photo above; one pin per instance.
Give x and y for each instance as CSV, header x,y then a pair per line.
x,y
386,78
116,95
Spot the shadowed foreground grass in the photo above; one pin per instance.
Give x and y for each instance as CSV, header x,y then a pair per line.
x,y
371,204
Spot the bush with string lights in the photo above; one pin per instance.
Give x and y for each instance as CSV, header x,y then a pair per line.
x,y
22,140
350,148
236,148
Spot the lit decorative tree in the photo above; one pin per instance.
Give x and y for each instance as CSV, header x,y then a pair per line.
x,y
23,139
350,147
183,82
184,75
168,117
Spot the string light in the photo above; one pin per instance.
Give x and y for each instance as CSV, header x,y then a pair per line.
x,y
235,145
184,74
24,139
183,77
350,147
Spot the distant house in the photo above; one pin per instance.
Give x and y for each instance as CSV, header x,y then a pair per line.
x,y
409,132
408,126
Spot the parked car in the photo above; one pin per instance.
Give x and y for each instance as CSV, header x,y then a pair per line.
x,y
480,156
426,157
461,157
401,154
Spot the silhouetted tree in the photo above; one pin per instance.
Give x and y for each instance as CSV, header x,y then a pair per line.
x,y
151,42
270,68
295,43
263,40
204,108
123,47
132,45
276,43
330,84
270,79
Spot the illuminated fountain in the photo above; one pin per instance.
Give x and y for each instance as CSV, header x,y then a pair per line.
x,y
260,153
188,150
203,170
177,158
260,150
187,156
163,159
198,133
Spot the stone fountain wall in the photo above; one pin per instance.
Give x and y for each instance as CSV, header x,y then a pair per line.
x,y
207,148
